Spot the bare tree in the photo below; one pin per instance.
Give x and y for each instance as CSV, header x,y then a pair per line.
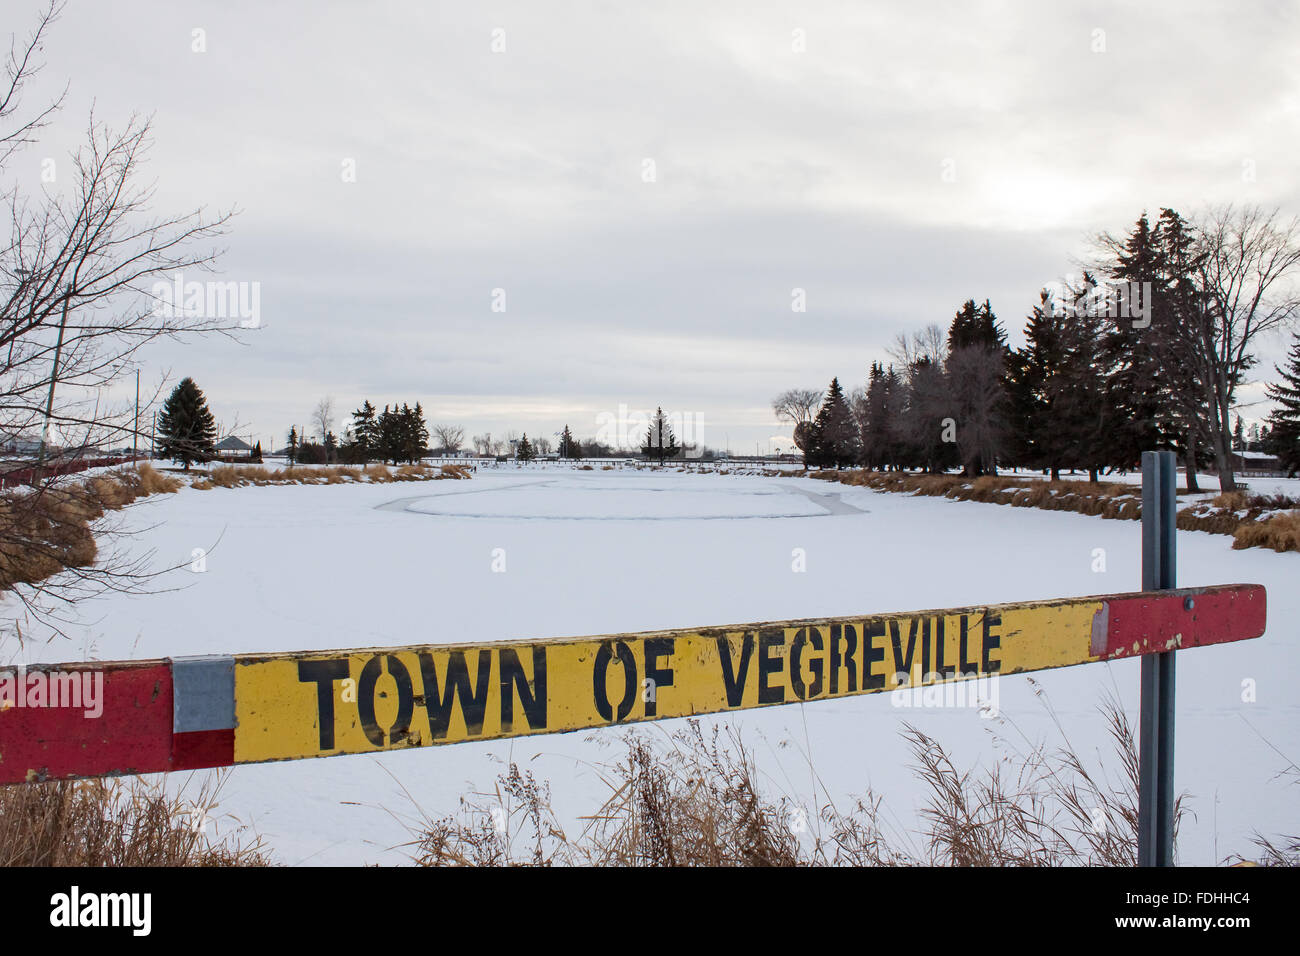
x,y
542,446
483,444
322,416
798,406
924,345
1246,259
80,274
450,437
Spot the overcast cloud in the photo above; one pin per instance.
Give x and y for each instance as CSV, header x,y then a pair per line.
x,y
776,169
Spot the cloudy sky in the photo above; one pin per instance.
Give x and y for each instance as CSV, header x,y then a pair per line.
x,y
648,184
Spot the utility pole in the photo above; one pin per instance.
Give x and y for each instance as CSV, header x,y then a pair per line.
x,y
135,428
54,376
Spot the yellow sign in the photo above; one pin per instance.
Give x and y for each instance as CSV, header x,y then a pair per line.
x,y
315,704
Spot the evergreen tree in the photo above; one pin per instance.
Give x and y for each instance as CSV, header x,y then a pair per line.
x,y
525,450
1284,421
975,325
1078,395
569,446
186,429
1056,392
365,433
257,451
390,442
416,433
1176,323
660,442
873,441
293,444
1033,374
835,437
975,374
1238,436
1141,418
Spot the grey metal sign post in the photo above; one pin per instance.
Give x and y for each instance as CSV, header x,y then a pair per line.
x,y
1156,724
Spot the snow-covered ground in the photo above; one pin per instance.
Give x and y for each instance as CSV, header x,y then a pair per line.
x,y
298,567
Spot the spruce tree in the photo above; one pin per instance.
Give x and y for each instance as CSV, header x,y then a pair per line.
x,y
1141,417
835,438
525,450
1177,308
660,442
873,448
389,425
975,379
419,434
293,444
1284,421
1033,373
975,325
569,446
186,429
1078,395
365,432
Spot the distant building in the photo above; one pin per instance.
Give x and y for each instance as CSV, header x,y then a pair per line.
x,y
1255,463
19,445
230,448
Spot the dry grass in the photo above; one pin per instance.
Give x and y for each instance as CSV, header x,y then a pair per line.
x,y
116,823
1281,532
48,529
692,804
1253,520
691,801
239,476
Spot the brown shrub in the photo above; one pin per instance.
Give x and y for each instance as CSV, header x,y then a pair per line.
x,y
1230,501
1280,532
236,476
153,482
226,476
46,530
1113,500
114,823
412,472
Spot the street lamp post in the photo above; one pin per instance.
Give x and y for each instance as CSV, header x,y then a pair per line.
x,y
54,376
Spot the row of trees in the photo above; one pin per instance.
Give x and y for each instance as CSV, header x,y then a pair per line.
x,y
1146,351
397,434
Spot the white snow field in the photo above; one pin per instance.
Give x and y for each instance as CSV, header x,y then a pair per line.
x,y
591,552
